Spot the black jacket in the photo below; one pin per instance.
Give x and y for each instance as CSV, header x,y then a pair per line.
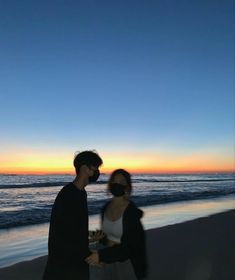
x,y
68,236
133,244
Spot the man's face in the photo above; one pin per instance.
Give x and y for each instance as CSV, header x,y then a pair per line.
x,y
93,174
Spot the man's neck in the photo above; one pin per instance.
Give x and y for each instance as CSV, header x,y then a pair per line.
x,y
80,183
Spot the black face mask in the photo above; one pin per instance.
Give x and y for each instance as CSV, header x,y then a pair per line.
x,y
95,176
117,189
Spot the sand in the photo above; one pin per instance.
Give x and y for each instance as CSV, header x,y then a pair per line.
x,y
202,249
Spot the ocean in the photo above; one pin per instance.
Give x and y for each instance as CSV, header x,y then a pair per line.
x,y
26,202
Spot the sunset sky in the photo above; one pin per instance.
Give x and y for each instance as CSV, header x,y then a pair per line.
x,y
148,84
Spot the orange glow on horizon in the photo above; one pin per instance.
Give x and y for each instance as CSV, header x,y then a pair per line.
x,y
109,171
133,162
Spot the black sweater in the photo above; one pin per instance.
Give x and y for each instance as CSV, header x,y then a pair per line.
x,y
132,244
68,234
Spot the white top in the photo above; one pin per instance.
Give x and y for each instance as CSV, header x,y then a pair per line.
x,y
113,229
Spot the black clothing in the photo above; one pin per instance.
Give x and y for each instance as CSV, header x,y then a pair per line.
x,y
132,246
68,236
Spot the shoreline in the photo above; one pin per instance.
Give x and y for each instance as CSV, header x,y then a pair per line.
x,y
29,242
199,249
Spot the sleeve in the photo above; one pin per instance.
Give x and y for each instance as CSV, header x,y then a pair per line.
x,y
129,245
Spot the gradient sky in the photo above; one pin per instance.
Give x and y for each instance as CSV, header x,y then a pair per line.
x,y
148,84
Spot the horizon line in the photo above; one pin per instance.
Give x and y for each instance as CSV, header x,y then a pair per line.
x,y
132,172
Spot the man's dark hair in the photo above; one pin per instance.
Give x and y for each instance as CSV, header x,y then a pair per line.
x,y
89,158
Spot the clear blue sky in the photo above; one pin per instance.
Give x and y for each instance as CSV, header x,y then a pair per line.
x,y
117,75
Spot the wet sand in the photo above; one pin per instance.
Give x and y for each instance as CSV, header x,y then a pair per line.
x,y
202,249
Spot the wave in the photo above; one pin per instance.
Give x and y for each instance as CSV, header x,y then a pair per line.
x,y
62,183
178,197
34,185
38,215
39,185
184,181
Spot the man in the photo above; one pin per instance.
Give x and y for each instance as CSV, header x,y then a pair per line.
x,y
68,233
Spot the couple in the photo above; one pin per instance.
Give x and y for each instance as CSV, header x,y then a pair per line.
x,y
122,255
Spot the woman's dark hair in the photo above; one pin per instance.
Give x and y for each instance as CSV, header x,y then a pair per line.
x,y
125,174
89,158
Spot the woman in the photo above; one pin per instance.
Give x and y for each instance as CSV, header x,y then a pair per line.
x,y
124,255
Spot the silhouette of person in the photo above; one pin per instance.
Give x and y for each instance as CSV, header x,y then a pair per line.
x,y
68,232
124,254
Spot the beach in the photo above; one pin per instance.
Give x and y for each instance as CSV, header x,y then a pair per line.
x,y
194,250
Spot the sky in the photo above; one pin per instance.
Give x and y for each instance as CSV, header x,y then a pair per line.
x,y
147,84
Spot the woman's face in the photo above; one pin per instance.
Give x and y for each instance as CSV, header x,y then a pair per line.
x,y
119,179
119,186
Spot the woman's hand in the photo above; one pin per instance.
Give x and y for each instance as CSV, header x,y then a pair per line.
x,y
93,259
96,235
